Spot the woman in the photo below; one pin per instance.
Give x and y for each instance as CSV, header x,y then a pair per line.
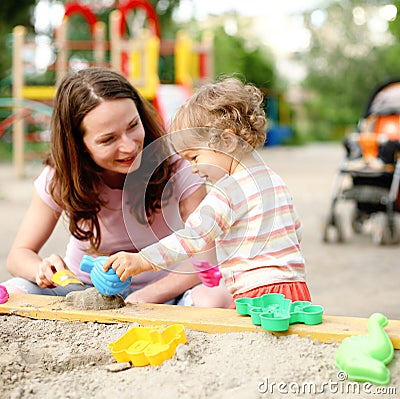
x,y
102,133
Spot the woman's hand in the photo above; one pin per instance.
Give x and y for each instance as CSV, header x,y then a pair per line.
x,y
137,297
47,268
127,264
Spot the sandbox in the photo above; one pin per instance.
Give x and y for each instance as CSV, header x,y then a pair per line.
x,y
52,351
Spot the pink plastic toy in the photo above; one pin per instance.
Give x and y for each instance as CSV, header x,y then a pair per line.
x,y
3,294
209,274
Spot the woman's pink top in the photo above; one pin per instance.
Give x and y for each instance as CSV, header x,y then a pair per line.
x,y
120,230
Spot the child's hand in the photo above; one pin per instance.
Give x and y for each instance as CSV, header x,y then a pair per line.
x,y
127,264
107,283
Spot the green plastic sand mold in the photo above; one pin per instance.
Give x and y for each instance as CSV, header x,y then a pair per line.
x,y
364,358
142,345
274,312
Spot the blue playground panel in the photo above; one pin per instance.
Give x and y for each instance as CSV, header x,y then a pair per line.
x,y
278,135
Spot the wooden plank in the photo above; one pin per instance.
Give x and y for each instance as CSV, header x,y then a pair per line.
x,y
332,329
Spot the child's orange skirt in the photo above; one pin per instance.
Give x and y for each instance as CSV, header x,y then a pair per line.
x,y
295,291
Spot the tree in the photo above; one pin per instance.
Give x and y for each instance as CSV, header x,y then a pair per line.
x,y
394,26
12,14
346,60
232,56
165,9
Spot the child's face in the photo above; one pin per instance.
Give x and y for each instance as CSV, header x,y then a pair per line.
x,y
207,163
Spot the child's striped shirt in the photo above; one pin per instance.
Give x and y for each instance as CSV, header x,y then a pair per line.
x,y
251,218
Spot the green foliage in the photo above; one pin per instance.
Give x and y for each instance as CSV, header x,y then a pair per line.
x,y
344,65
12,13
16,13
394,26
259,68
5,151
229,53
232,56
164,10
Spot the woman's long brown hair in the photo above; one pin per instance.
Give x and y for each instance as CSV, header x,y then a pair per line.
x,y
76,181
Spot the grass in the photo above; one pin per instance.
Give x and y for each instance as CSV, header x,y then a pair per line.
x,y
5,151
30,147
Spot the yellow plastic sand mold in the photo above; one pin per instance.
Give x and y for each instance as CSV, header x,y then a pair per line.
x,y
65,277
142,345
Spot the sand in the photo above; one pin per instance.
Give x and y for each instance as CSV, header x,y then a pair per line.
x,y
57,359
60,359
92,299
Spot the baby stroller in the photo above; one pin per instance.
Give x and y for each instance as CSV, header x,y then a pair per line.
x,y
370,174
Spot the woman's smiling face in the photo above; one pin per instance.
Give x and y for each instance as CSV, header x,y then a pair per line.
x,y
114,135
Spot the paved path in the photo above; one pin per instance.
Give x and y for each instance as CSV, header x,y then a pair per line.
x,y
357,278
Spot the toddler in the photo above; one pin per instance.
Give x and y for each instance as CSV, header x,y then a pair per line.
x,y
248,210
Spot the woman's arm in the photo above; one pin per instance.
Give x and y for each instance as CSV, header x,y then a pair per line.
x,y
165,289
35,229
189,204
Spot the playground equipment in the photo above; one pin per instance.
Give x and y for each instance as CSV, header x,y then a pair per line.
x,y
24,116
135,56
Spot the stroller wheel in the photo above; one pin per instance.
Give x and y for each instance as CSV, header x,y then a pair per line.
x,y
393,234
384,231
357,226
357,222
333,229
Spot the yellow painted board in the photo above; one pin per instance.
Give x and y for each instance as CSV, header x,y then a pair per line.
x,y
39,92
332,328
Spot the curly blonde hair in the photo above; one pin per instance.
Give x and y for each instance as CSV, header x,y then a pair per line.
x,y
227,104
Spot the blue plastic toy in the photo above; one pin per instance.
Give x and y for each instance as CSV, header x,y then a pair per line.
x,y
108,283
364,358
274,312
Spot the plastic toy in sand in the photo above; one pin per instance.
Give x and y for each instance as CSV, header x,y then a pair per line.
x,y
65,277
274,312
209,274
3,294
364,358
142,346
108,283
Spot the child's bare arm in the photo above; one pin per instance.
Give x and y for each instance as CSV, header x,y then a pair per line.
x,y
127,264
